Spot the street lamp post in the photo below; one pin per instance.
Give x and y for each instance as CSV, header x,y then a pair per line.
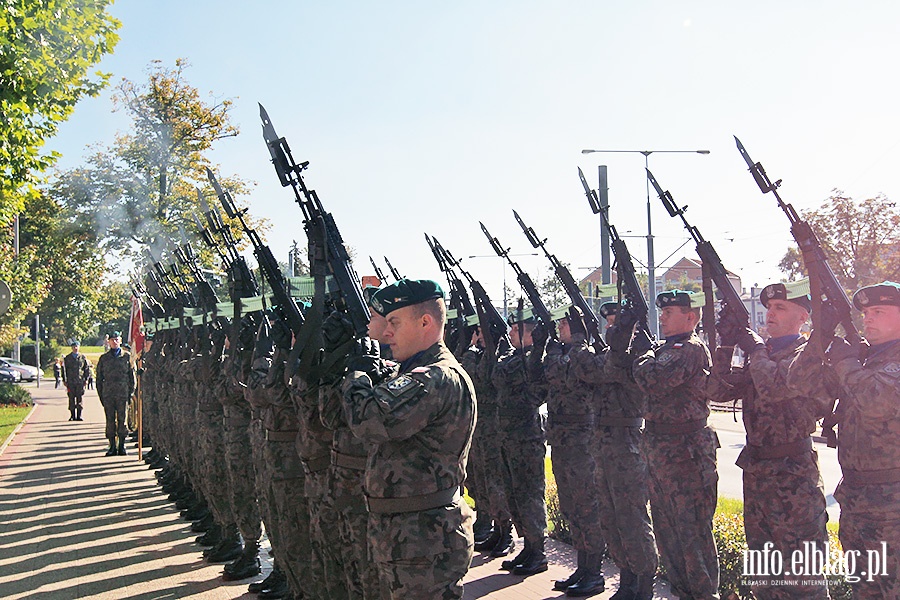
x,y
651,263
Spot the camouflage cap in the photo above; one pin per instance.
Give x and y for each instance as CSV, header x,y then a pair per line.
x,y
405,292
609,308
886,293
778,291
674,298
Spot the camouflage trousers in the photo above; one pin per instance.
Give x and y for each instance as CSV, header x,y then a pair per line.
x,y
573,468
241,477
784,505
327,560
870,519
488,467
76,398
353,526
523,477
683,482
211,450
289,516
621,475
476,478
422,555
114,410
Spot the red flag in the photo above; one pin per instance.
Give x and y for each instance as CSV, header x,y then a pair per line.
x,y
136,328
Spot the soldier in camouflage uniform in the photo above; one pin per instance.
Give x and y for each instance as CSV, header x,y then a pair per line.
x,y
620,468
680,448
570,424
869,434
418,424
784,499
115,385
522,448
75,373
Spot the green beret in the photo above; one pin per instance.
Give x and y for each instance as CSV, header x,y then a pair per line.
x,y
886,293
368,292
674,298
609,308
405,292
560,313
74,342
115,334
778,291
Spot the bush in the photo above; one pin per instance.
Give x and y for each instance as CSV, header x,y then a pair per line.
x,y
14,395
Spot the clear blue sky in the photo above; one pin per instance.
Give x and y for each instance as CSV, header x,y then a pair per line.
x,y
429,117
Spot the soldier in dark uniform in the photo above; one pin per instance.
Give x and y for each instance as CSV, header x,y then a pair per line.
x,y
784,499
418,423
115,385
868,435
75,373
680,448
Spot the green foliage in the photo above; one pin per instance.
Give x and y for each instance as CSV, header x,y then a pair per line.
x,y
47,49
10,417
12,394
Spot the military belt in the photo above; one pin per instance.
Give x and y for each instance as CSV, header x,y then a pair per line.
x,y
316,464
515,412
856,477
348,461
585,419
619,422
280,436
780,450
675,428
412,503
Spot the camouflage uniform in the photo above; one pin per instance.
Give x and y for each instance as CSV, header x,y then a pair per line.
x,y
869,454
784,499
115,385
680,449
520,429
419,424
621,471
347,485
75,374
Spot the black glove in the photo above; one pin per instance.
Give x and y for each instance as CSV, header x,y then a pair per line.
x,y
641,342
365,357
576,325
840,351
617,338
539,335
826,319
336,331
626,318
281,334
748,340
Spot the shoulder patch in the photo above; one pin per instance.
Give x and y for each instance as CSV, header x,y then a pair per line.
x,y
891,368
400,383
665,357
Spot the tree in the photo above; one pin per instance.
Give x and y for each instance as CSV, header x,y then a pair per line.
x,y
46,52
141,192
860,240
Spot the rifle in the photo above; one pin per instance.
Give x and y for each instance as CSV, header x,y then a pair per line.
x,y
459,297
631,296
830,291
394,273
710,259
537,305
493,325
378,273
287,309
350,299
205,292
241,275
568,282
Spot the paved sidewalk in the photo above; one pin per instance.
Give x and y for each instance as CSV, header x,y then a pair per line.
x,y
77,524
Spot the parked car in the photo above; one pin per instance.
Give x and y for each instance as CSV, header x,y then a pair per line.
x,y
8,375
27,372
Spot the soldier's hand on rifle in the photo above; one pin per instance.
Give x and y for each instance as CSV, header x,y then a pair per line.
x,y
748,340
337,330
840,351
728,326
641,342
618,337
281,334
626,319
576,325
539,336
365,357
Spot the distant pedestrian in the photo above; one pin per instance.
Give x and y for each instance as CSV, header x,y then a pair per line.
x,y
90,380
74,373
106,343
57,371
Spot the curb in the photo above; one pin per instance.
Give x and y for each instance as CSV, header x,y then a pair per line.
x,y
13,433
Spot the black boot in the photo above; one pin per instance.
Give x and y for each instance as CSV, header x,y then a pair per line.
x,y
627,586
509,565
644,587
490,541
212,537
121,450
78,414
563,584
483,526
196,512
592,582
112,448
505,543
246,565
280,589
72,414
203,525
229,549
267,583
536,561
